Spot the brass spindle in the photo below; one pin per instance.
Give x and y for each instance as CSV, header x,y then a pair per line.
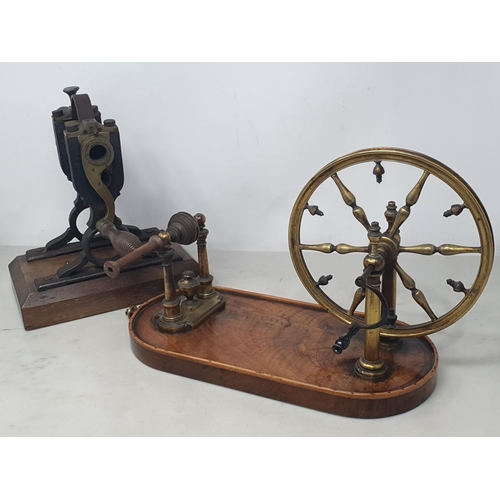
x,y
205,278
359,296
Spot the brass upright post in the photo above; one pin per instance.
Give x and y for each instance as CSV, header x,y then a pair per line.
x,y
372,315
389,284
171,303
389,277
370,364
205,278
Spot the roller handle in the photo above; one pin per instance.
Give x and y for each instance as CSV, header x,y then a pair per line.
x,y
113,267
182,228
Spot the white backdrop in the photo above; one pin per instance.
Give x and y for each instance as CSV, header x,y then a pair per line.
x,y
238,141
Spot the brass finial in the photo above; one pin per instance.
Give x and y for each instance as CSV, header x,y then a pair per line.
x,y
378,171
454,210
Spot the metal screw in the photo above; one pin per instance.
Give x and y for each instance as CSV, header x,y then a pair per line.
x,y
71,91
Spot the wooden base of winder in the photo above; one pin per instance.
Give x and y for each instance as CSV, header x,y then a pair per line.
x,y
282,349
86,298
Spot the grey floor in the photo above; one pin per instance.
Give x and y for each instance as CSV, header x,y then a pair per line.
x,y
81,378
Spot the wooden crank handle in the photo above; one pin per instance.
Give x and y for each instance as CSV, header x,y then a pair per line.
x,y
182,228
113,267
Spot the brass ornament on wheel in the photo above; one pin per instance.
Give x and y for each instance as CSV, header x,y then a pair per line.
x,y
387,245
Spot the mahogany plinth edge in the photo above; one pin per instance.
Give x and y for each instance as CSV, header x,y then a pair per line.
x,y
87,298
282,349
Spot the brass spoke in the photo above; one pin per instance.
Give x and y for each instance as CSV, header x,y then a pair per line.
x,y
350,200
359,296
344,248
411,199
341,248
320,247
418,295
445,249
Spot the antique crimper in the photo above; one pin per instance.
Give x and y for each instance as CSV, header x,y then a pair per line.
x,y
90,156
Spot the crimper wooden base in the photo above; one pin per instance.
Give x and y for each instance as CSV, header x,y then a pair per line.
x,y
282,349
79,300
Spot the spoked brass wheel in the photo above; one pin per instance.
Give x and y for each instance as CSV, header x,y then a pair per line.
x,y
389,242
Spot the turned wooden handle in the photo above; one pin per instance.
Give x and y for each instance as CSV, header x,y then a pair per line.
x,y
113,267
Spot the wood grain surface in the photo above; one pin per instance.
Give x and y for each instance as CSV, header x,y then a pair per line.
x,y
282,349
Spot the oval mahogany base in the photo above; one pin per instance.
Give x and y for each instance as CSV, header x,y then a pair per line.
x,y
282,349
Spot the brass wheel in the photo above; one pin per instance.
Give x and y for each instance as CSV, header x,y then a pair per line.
x,y
389,243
